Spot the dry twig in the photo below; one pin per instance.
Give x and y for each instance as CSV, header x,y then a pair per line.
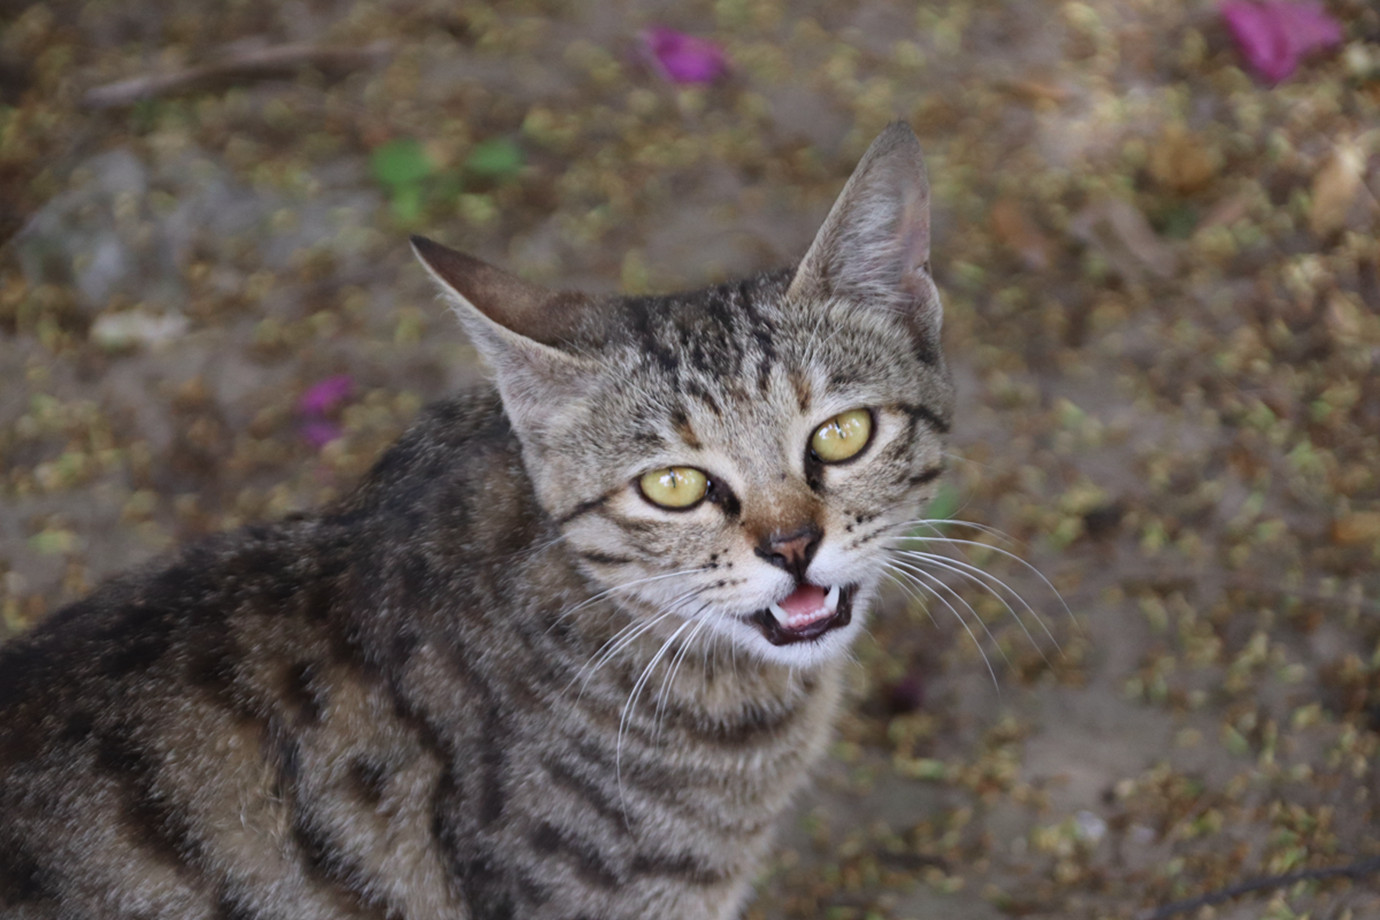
x,y
255,64
1264,883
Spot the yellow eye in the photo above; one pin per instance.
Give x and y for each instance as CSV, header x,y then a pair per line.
x,y
676,487
841,437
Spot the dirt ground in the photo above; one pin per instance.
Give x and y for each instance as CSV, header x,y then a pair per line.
x,y
1162,286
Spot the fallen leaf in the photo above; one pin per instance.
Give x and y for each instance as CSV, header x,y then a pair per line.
x,y
1356,527
1225,212
1343,317
402,166
1118,229
496,158
402,161
1275,35
1334,189
132,328
1037,91
1182,161
55,541
683,58
1018,233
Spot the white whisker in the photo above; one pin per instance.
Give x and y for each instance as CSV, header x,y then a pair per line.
x,y
911,571
627,635
934,523
663,695
904,584
628,708
986,580
612,646
957,541
621,587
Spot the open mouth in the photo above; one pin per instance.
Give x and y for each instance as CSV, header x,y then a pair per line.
x,y
805,614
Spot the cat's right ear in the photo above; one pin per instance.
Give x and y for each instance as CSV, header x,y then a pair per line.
x,y
874,247
518,327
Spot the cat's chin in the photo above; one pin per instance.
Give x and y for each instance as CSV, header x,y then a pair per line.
x,y
781,629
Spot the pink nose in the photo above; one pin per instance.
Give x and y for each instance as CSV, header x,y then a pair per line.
x,y
791,551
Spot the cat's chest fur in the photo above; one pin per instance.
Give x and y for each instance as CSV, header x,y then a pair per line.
x,y
567,652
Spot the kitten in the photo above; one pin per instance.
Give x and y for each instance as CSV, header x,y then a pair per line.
x,y
567,652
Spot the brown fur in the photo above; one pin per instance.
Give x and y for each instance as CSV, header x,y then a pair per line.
x,y
496,682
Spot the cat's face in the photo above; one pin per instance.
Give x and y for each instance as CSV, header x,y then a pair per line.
x,y
734,462
764,457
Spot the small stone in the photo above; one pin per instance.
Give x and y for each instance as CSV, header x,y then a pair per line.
x,y
1335,190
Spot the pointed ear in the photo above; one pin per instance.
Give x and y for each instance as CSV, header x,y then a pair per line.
x,y
874,246
517,327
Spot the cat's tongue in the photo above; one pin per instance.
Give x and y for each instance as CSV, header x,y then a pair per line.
x,y
804,606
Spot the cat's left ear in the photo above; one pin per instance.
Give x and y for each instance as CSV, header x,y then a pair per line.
x,y
874,247
518,328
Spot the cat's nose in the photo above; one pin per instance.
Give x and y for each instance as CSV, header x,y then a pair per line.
x,y
791,551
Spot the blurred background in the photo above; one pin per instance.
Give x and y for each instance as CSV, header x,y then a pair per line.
x,y
1155,229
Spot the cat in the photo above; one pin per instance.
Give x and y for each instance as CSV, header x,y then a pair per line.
x,y
568,651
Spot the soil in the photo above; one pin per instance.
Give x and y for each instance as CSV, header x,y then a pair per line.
x,y
1162,679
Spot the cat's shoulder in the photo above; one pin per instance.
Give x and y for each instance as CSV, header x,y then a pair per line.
x,y
453,449
472,421
129,622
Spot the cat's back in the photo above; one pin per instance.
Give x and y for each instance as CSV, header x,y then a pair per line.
x,y
153,735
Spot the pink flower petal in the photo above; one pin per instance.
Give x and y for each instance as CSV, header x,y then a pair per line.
x,y
319,433
684,58
1308,25
325,395
1276,34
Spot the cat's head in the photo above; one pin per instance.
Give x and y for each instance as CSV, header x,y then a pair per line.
x,y
737,459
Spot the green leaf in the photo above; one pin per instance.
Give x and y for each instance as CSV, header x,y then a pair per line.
x,y
1178,221
55,542
945,503
401,162
497,158
446,187
407,203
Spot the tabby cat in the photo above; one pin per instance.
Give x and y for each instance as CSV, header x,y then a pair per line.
x,y
567,652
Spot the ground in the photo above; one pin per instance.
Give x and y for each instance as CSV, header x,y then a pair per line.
x,y
1162,288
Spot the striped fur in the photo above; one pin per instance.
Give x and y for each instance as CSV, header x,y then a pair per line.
x,y
495,682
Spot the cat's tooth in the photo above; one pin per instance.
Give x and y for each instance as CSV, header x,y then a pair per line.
x,y
779,613
831,600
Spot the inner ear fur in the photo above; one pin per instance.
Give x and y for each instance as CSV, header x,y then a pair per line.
x,y
522,330
874,247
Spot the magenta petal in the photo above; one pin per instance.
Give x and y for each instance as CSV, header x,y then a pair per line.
x,y
318,433
325,395
1265,48
1308,25
1275,35
684,58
